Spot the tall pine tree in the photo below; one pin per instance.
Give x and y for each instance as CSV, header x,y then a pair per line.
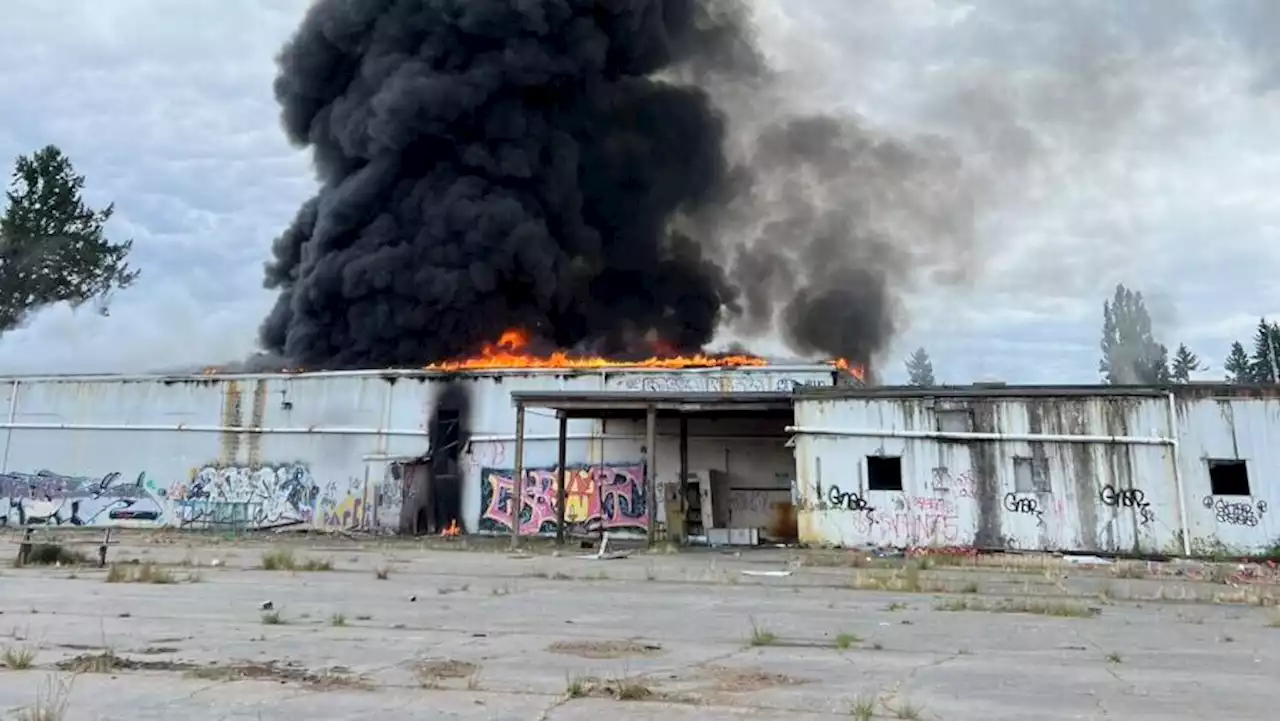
x,y
1265,361
920,369
1237,365
1184,364
53,247
1130,353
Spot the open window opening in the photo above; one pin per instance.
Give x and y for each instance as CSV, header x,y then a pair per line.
x,y
884,473
1228,477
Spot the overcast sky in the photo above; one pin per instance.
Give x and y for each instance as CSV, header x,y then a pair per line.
x,y
1131,142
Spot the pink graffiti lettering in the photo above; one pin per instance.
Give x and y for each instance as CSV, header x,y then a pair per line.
x,y
909,529
596,497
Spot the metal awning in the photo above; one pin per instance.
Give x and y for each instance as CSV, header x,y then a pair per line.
x,y
636,404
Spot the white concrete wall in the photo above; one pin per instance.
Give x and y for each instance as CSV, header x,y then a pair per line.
x,y
318,449
1113,497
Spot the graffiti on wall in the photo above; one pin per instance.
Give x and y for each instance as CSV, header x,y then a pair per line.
x,y
1112,497
1236,513
962,485
46,497
342,505
609,497
245,496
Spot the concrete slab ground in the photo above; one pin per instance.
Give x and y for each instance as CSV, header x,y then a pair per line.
x,y
396,630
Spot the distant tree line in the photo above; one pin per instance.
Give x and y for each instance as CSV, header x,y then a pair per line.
x,y
1131,355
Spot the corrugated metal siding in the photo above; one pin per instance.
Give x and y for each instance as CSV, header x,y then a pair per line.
x,y
317,449
1106,497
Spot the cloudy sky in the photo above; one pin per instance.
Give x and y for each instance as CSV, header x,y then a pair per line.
x,y
1134,142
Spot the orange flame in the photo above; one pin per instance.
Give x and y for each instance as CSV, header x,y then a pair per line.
x,y
856,371
511,351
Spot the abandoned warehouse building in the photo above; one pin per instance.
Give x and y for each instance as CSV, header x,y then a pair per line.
x,y
707,455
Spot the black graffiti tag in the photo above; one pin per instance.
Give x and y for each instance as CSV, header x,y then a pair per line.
x,y
849,501
1127,498
1027,506
1238,513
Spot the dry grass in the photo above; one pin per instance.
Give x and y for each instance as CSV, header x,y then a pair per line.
x,y
1035,606
18,658
146,573
273,618
337,619
432,674
381,573
51,702
54,554
282,559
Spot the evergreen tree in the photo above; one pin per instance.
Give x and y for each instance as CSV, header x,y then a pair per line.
x,y
920,369
1184,364
1265,361
53,247
1237,365
1130,353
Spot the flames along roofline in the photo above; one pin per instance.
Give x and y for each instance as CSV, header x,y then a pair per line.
x,y
407,373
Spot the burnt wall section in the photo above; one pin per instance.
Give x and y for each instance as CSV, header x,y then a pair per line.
x,y
1099,470
437,480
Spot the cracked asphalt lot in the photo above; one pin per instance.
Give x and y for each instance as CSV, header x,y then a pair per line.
x,y
484,635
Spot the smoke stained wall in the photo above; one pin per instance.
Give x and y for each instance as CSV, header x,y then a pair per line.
x,y
562,166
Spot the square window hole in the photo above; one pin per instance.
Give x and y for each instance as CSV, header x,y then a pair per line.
x,y
1228,478
953,420
884,473
1023,475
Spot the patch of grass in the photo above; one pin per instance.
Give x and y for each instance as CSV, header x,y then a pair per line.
x,y
54,554
761,636
1114,657
51,703
273,618
316,564
631,689
575,686
1035,606
864,707
895,607
104,662
337,619
280,559
381,573
846,641
1129,570
1274,622
908,711
17,658
146,573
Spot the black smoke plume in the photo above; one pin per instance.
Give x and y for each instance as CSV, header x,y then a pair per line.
x,y
489,164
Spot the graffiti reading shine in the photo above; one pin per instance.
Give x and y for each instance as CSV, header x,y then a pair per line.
x,y
608,497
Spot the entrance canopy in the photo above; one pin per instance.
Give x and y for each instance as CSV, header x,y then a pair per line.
x,y
636,405
632,405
